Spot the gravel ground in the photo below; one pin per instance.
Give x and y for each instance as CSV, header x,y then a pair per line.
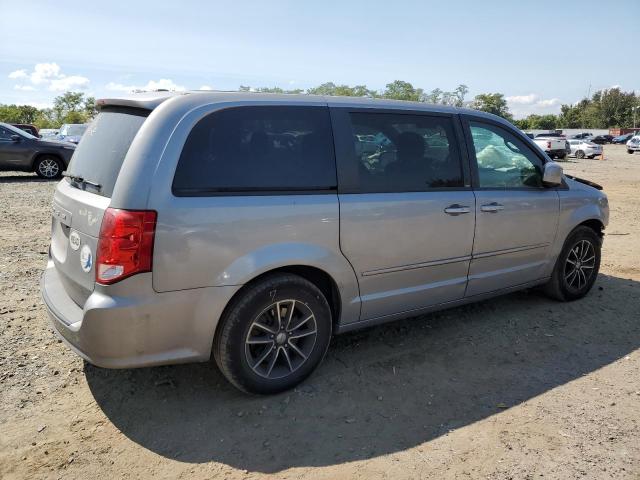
x,y
517,387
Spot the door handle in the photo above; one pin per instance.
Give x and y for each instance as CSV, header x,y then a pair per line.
x,y
456,209
492,207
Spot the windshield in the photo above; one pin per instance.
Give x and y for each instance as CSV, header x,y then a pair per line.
x,y
100,154
18,131
73,130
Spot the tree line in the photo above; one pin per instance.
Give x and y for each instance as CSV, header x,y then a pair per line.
x,y
606,108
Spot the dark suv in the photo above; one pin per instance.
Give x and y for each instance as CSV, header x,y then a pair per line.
x,y
22,151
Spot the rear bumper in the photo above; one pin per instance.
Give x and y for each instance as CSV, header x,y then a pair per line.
x,y
134,326
558,152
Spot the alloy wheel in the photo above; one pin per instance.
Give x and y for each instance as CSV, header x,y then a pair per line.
x,y
49,168
281,338
580,265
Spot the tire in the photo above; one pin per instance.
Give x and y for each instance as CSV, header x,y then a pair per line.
x,y
562,157
48,167
248,333
630,152
579,154
566,285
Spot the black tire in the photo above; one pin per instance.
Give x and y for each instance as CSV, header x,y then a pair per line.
x,y
579,154
630,152
234,349
562,157
48,167
562,285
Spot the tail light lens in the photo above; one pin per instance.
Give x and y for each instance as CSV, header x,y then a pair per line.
x,y
125,245
549,145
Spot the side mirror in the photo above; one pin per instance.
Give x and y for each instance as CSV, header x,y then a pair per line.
x,y
15,138
552,175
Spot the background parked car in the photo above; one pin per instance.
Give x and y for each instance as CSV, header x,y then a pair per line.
x,y
21,151
553,144
72,132
50,133
582,135
633,145
27,127
581,148
602,139
622,138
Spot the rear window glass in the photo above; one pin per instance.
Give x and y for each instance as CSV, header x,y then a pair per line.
x,y
101,151
259,149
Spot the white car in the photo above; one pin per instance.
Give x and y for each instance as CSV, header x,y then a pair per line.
x,y
633,145
584,148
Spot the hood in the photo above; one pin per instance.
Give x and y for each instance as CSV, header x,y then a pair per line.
x,y
56,143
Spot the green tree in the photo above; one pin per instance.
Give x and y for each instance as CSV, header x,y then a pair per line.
x,y
400,90
492,103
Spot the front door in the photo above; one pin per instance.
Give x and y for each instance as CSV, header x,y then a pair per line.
x,y
406,208
516,216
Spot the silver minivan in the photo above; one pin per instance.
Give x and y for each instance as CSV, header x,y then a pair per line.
x,y
252,227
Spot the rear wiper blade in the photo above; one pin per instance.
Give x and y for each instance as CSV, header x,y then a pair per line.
x,y
79,179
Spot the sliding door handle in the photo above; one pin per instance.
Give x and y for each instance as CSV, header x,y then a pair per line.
x,y
492,207
456,209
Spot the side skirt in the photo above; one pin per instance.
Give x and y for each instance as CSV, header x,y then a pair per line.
x,y
434,308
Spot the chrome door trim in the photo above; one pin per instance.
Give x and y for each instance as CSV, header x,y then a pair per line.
x,y
414,266
510,250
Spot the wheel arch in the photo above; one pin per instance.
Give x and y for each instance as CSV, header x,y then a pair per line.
x,y
317,276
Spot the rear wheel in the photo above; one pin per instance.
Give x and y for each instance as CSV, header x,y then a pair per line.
x,y
48,167
577,266
562,157
579,154
273,335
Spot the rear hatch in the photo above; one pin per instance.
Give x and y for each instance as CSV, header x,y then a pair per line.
x,y
80,200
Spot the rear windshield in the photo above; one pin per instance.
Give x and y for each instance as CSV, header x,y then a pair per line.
x,y
101,151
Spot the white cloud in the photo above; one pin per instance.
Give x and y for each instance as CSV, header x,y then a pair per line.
x,y
524,105
523,99
205,87
73,82
552,102
45,72
49,75
18,74
162,84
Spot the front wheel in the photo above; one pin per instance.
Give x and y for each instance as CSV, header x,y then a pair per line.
x,y
577,266
48,167
273,335
630,152
579,154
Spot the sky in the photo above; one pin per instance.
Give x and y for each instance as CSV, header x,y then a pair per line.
x,y
538,54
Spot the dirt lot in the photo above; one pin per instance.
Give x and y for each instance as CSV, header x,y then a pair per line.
x,y
517,387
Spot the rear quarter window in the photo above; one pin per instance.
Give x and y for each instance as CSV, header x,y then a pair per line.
x,y
99,155
258,149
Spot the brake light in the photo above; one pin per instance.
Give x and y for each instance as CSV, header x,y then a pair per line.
x,y
549,144
125,245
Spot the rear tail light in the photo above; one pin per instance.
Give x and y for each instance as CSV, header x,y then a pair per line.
x,y
549,144
125,246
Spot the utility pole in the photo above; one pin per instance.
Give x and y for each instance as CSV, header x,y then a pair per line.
x,y
588,98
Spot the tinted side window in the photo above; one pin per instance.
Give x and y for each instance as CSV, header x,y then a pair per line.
x,y
504,161
258,149
405,152
5,134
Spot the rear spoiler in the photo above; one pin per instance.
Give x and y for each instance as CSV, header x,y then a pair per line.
x,y
146,101
586,182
